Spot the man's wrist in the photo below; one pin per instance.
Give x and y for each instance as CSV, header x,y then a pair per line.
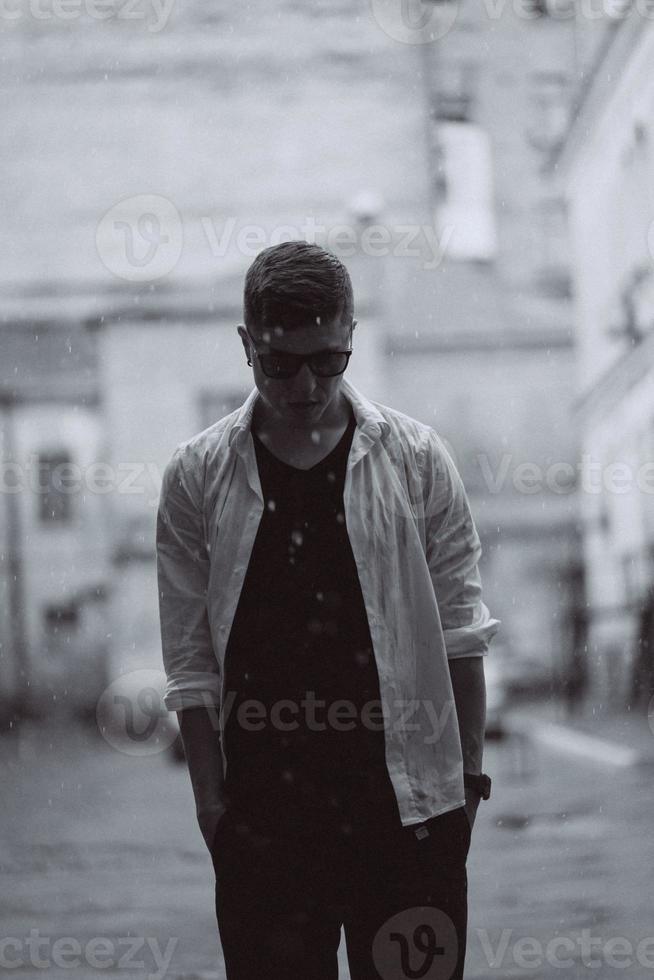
x,y
479,783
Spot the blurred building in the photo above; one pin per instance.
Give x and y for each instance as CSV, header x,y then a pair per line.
x,y
607,168
54,569
482,345
154,161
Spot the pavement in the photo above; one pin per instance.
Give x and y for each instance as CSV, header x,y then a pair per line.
x,y
565,845
606,736
104,867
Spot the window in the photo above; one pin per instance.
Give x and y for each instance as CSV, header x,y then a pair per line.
x,y
466,209
55,488
549,110
454,91
61,626
61,617
553,269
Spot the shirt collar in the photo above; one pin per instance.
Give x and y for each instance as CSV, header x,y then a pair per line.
x,y
368,418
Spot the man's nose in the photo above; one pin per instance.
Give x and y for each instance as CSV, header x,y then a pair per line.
x,y
304,382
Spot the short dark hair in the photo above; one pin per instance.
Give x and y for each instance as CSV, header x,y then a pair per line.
x,y
294,281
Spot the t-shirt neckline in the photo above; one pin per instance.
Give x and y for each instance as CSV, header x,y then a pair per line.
x,y
298,469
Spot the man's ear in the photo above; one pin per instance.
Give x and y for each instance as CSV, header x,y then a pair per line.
x,y
242,332
245,340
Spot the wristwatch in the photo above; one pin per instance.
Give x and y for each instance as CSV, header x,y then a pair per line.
x,y
481,783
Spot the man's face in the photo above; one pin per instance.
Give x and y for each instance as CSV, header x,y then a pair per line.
x,y
304,399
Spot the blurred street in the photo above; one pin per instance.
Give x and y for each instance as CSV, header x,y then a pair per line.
x,y
100,845
485,172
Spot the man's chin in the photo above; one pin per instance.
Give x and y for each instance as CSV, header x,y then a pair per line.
x,y
299,413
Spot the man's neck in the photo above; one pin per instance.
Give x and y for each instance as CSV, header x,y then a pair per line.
x,y
306,445
269,424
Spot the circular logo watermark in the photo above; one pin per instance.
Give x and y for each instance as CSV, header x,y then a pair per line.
x,y
417,942
140,239
415,21
132,716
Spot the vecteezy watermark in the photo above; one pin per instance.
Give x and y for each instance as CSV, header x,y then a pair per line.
x,y
133,718
415,21
413,715
565,952
588,475
154,14
131,714
425,21
590,10
374,240
141,238
419,942
39,476
98,953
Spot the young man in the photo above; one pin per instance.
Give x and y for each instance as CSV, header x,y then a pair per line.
x,y
323,636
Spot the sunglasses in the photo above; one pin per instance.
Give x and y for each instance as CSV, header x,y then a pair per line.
x,y
280,364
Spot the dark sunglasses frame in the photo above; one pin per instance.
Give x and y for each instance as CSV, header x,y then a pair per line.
x,y
295,361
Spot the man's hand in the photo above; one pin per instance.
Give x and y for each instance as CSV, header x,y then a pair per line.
x,y
472,802
202,750
469,688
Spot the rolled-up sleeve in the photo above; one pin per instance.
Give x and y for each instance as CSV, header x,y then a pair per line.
x,y
453,551
192,670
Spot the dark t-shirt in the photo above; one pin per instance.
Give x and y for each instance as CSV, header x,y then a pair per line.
x,y
299,642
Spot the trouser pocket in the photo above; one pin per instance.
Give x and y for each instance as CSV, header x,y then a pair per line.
x,y
446,836
218,847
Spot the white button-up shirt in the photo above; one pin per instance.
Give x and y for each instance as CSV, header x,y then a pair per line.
x,y
417,552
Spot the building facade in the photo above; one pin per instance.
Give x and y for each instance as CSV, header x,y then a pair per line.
x,y
482,344
162,172
606,166
55,556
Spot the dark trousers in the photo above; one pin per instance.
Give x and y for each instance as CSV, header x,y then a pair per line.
x,y
283,891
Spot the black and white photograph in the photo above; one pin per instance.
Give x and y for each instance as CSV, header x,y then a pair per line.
x,y
327,471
